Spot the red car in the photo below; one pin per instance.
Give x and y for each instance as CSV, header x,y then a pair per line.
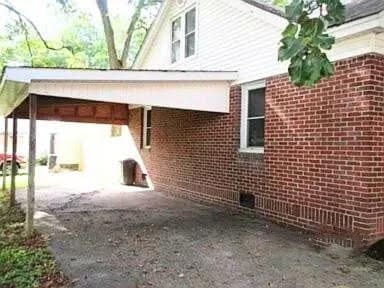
x,y
20,161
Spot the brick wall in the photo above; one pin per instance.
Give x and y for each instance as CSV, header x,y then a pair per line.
x,y
323,165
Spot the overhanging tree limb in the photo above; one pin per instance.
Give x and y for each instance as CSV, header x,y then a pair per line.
x,y
34,27
136,24
305,39
26,35
130,31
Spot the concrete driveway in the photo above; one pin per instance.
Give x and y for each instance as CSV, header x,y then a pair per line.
x,y
128,237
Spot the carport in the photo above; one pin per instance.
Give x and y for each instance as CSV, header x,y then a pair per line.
x,y
99,96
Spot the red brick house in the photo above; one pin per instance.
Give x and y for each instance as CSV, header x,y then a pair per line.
x,y
312,159
307,158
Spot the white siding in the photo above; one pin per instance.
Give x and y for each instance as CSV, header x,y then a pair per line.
x,y
380,43
354,46
233,35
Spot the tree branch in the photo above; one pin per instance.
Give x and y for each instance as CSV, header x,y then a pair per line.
x,y
30,22
26,35
134,26
131,30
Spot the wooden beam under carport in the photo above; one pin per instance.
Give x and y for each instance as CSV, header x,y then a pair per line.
x,y
75,110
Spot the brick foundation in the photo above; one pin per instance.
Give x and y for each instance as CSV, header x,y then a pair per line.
x,y
323,166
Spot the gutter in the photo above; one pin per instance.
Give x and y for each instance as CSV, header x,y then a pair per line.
x,y
373,23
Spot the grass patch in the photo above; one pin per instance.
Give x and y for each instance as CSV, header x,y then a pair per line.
x,y
25,262
21,181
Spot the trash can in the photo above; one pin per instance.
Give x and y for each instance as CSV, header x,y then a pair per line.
x,y
128,168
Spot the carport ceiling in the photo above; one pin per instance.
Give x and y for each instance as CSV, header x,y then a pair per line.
x,y
191,90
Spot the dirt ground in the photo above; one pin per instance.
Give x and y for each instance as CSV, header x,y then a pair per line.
x,y
124,237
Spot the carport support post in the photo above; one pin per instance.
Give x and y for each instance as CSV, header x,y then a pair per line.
x,y
5,154
13,163
31,164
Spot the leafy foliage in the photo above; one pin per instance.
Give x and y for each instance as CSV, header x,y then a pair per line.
x,y
281,3
305,39
24,262
87,42
20,267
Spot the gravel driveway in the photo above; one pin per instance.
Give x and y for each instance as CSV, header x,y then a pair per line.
x,y
124,237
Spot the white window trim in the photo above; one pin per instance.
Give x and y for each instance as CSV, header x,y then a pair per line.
x,y
146,109
182,15
244,116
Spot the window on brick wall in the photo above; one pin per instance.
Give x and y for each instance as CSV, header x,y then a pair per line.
x,y
183,35
147,127
116,131
253,117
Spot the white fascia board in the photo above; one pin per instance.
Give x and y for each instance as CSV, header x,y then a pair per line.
x,y
28,75
374,23
258,13
210,96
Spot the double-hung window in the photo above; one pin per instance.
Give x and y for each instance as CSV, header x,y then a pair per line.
x,y
190,32
147,133
253,118
176,40
183,36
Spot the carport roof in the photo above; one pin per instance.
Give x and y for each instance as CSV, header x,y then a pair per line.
x,y
195,90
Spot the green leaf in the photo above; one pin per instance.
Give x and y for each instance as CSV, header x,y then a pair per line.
x,y
292,47
296,71
305,38
290,30
327,68
324,41
335,12
312,28
294,10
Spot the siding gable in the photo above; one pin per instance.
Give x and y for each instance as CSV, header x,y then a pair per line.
x,y
236,36
232,35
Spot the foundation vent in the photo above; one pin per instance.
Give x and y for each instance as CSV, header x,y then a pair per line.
x,y
247,200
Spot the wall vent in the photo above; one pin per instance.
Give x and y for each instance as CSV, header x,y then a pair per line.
x,y
247,200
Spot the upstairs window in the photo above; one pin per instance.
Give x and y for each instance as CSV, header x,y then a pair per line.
x,y
190,32
183,36
176,40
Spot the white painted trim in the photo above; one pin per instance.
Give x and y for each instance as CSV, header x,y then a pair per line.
x,y
191,90
27,75
145,119
244,116
256,150
367,24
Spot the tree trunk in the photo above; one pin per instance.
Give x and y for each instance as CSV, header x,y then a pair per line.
x,y
114,62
